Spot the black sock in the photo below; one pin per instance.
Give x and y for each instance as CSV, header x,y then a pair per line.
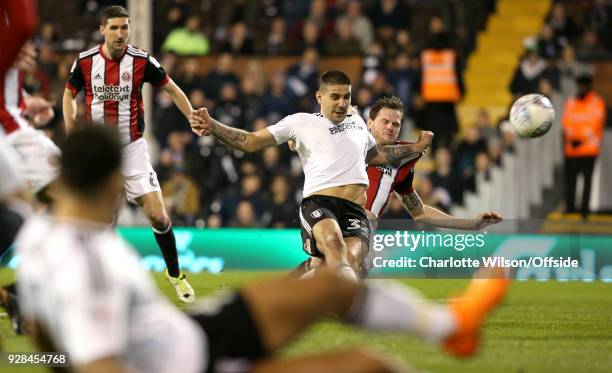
x,y
167,244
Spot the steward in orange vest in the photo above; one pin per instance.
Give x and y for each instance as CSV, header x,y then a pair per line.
x,y
439,85
583,121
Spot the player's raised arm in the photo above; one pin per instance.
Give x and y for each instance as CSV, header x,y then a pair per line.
x,y
235,138
430,215
179,97
396,154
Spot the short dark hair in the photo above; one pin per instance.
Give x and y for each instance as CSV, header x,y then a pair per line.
x,y
334,77
90,155
114,11
393,103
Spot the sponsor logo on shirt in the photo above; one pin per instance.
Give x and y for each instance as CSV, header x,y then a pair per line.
x,y
111,92
346,126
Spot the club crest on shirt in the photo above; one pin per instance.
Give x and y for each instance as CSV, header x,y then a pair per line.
x,y
386,170
126,76
316,213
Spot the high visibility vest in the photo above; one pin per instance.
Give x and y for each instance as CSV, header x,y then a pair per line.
x,y
439,80
583,123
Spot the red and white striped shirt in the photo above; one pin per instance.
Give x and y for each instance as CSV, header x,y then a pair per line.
x,y
12,104
386,179
113,87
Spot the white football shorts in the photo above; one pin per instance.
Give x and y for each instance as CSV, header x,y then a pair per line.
x,y
140,178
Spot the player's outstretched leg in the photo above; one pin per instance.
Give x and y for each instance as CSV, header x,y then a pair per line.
x,y
282,309
153,207
331,244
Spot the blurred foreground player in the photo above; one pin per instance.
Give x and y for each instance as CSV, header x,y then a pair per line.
x,y
83,291
112,76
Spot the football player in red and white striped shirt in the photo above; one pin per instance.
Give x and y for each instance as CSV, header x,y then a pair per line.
x,y
385,122
112,76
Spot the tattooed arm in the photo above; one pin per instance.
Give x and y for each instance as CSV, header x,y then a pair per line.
x,y
427,214
235,138
396,154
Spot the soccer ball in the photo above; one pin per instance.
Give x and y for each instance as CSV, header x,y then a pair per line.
x,y
532,115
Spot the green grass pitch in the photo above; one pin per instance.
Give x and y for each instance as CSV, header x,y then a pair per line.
x,y
541,327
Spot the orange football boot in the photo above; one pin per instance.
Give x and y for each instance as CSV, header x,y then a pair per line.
x,y
484,292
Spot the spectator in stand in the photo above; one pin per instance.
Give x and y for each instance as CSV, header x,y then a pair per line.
x,y
430,196
388,16
362,26
276,41
182,197
590,48
281,204
229,108
570,69
445,176
372,63
249,97
278,101
171,16
364,99
222,74
344,44
188,40
552,77
483,166
508,136
232,11
548,44
320,15
465,154
381,87
189,78
250,190
563,26
239,41
440,84
245,216
600,18
311,38
527,74
583,121
483,124
495,151
402,76
303,78
402,44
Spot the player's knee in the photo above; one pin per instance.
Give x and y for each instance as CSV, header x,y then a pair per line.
x,y
159,219
332,243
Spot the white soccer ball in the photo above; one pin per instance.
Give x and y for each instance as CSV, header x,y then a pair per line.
x,y
532,115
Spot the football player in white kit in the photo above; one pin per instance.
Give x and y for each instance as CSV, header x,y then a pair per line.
x,y
84,292
384,122
334,148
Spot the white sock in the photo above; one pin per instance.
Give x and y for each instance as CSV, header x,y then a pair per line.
x,y
389,306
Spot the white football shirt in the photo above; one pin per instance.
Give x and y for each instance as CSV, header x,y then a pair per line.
x,y
87,289
331,154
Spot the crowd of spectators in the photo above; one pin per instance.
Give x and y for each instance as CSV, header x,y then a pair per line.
x,y
207,184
